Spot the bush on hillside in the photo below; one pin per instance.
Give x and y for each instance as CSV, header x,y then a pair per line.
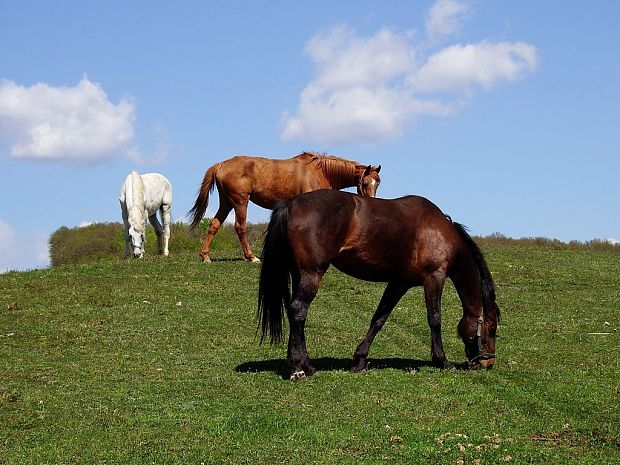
x,y
86,244
596,244
105,241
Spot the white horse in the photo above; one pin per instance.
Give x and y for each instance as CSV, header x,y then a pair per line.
x,y
141,197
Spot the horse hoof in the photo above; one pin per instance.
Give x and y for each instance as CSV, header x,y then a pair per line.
x,y
298,375
442,364
360,365
253,260
206,260
487,364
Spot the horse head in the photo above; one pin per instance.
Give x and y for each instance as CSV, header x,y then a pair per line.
x,y
136,239
369,181
481,351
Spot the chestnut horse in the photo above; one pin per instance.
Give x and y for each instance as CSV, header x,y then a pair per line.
x,y
265,182
405,242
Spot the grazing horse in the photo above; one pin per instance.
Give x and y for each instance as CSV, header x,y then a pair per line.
x,y
265,182
405,242
141,197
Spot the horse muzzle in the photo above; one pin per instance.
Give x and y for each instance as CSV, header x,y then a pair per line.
x,y
482,360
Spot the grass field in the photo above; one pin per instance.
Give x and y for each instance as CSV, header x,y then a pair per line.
x,y
157,361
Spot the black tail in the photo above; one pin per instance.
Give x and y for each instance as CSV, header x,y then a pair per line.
x,y
274,295
488,287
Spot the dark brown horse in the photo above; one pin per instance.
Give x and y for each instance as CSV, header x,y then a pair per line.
x,y
405,242
265,182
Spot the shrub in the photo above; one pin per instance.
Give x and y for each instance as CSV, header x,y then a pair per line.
x,y
100,241
105,241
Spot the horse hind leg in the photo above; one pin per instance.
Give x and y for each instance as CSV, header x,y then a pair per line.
x,y
392,294
222,212
241,213
305,287
165,219
433,288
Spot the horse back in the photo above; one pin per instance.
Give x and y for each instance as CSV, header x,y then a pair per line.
x,y
267,181
372,239
157,191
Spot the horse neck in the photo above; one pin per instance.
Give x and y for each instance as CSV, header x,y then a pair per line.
x,y
339,173
136,209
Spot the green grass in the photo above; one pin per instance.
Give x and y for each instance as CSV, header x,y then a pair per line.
x,y
157,361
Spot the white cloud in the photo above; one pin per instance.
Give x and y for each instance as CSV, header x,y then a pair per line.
x,y
458,68
369,90
445,18
21,252
343,59
72,124
351,96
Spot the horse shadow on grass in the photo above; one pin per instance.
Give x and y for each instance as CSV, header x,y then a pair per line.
x,y
228,259
278,366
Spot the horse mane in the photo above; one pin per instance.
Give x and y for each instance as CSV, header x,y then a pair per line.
x,y
136,209
338,171
487,284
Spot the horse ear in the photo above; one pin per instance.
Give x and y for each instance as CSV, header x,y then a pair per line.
x,y
367,170
378,168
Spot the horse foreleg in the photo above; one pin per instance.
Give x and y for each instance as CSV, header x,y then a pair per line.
x,y
214,227
392,294
433,288
127,244
297,354
241,214
125,216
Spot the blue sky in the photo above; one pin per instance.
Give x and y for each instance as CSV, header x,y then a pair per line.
x,y
505,114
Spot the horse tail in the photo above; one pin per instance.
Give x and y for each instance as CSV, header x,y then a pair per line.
x,y
136,209
488,286
274,295
200,206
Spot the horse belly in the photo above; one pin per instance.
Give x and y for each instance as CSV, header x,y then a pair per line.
x,y
152,204
364,264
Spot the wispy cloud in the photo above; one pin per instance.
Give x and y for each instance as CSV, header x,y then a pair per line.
x,y
461,68
24,251
369,90
75,124
445,18
158,155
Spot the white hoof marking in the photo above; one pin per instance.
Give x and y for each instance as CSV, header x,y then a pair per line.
x,y
298,375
